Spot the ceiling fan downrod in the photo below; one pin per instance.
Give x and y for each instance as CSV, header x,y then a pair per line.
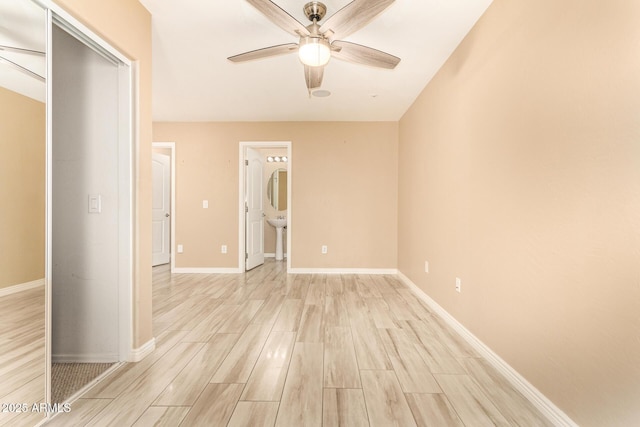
x,y
315,11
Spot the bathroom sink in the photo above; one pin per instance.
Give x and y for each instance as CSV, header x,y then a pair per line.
x,y
277,222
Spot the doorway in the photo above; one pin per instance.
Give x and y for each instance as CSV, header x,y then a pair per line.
x,y
163,223
249,222
89,209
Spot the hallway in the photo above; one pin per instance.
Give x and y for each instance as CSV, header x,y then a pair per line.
x,y
267,348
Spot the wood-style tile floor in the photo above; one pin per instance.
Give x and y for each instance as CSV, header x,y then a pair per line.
x,y
22,356
270,349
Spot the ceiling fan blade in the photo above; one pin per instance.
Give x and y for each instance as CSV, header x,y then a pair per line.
x,y
359,54
280,17
265,52
313,77
352,17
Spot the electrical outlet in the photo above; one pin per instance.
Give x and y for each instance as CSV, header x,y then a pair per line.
x,y
458,284
223,249
324,249
180,249
426,266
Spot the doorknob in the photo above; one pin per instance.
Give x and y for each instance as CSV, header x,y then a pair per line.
x,y
166,215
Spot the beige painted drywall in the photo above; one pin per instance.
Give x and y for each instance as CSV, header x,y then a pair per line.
x,y
519,172
126,24
344,191
22,189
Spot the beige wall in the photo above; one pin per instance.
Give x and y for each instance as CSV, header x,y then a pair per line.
x,y
519,172
126,24
22,189
344,191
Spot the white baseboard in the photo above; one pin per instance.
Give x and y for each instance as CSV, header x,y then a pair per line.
x,y
84,358
343,271
188,270
21,287
137,354
539,400
272,255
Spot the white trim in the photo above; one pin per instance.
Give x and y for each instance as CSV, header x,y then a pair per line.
x,y
137,354
188,270
241,184
172,147
273,255
66,21
48,269
375,271
127,158
14,289
85,358
530,392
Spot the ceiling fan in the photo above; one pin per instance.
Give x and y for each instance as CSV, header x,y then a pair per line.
x,y
318,42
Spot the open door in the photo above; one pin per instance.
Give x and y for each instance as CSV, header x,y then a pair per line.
x,y
254,217
161,208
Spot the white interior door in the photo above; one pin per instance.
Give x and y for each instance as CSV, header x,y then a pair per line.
x,y
161,208
254,217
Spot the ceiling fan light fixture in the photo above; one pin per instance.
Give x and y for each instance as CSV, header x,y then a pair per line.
x,y
314,51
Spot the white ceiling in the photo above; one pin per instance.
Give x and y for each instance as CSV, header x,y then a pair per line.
x,y
193,80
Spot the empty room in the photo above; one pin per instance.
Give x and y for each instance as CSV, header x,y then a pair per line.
x,y
305,213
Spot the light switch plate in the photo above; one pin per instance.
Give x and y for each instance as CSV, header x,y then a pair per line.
x,y
205,204
95,203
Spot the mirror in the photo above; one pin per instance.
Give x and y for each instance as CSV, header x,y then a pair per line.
x,y
277,189
22,215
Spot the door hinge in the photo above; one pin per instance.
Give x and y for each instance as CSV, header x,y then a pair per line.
x,y
246,162
246,256
246,209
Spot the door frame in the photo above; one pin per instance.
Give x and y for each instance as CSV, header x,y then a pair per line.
x,y
128,173
172,147
241,196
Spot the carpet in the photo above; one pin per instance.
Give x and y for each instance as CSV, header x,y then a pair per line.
x,y
68,378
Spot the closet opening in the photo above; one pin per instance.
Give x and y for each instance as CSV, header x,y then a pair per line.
x,y
89,208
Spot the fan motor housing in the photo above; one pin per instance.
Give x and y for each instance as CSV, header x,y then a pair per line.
x,y
315,10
